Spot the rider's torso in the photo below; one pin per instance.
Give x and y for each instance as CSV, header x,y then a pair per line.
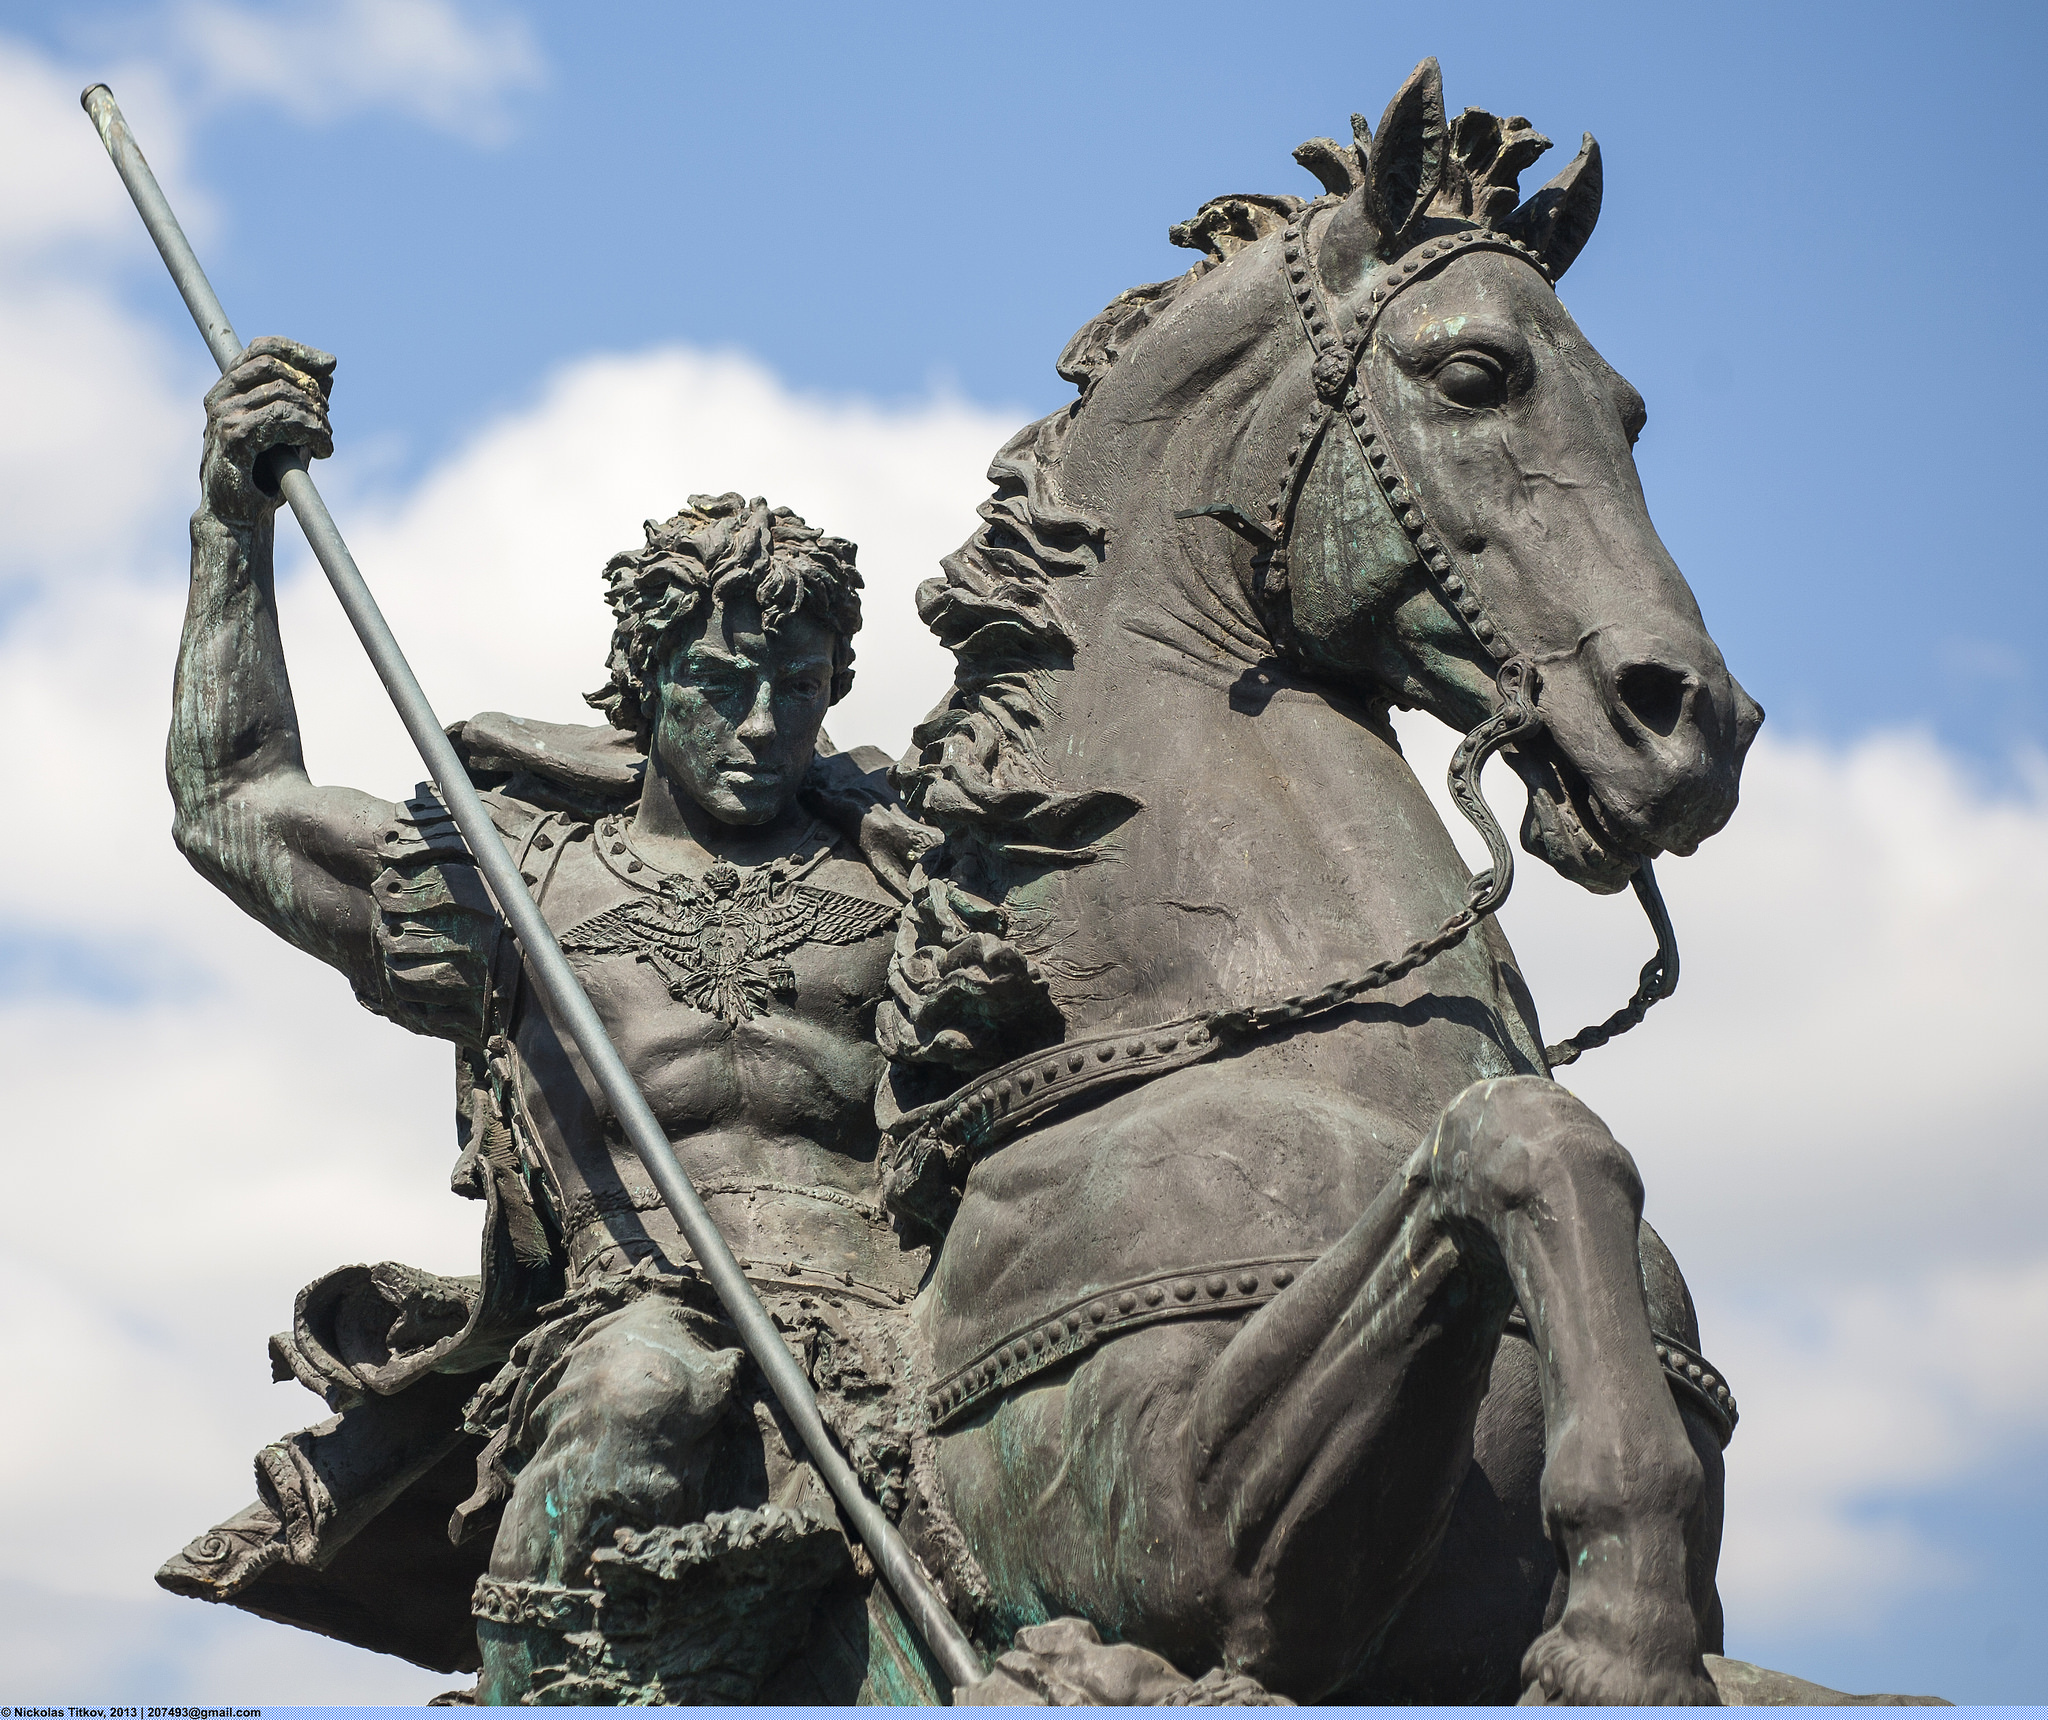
x,y
764,1084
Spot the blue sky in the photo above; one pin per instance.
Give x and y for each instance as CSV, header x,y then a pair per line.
x,y
579,262
1815,259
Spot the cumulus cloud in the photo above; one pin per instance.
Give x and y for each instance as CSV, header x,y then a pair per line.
x,y
1884,1391
88,449
449,66
55,183
500,597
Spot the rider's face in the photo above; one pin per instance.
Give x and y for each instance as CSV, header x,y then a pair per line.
x,y
741,709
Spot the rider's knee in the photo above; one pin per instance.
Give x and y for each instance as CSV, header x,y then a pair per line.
x,y
644,1381
1505,1144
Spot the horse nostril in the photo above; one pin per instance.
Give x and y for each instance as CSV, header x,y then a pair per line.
x,y
1655,694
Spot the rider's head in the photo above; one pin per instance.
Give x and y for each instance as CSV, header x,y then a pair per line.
x,y
734,633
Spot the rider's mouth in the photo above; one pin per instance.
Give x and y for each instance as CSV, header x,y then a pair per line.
x,y
1565,824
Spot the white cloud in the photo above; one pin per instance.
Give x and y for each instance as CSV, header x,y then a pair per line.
x,y
90,454
1882,1392
101,431
489,569
1847,1071
449,66
55,181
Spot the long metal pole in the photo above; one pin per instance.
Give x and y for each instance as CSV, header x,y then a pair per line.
x,y
544,959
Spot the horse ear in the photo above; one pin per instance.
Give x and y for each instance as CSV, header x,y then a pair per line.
x,y
1559,219
1405,164
1338,166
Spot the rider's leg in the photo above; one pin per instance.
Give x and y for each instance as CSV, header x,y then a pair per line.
x,y
618,1441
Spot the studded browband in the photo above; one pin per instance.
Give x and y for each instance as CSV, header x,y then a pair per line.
x,y
1337,377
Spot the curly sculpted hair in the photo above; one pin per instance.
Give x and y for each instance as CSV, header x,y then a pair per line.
x,y
720,547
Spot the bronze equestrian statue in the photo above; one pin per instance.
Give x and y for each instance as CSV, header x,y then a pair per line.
x,y
1177,1220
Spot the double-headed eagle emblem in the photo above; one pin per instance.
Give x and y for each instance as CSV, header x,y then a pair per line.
x,y
719,941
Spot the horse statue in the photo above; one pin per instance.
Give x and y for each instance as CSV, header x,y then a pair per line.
x,y
1292,1320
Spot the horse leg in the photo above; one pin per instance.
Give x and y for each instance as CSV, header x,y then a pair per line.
x,y
1532,1172
1263,1497
1496,1584
1520,1194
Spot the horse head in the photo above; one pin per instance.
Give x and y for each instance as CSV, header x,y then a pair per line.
x,y
1360,446
1461,490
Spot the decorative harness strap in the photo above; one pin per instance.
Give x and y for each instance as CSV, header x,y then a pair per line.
x,y
1233,1287
1230,1287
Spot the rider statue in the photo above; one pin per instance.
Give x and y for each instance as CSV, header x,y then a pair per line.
x,y
727,886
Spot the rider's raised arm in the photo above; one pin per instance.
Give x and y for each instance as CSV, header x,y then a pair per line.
x,y
299,857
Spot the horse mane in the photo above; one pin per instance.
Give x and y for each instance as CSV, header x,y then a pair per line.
x,y
969,989
978,773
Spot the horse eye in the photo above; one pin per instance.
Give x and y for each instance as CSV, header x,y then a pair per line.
x,y
1469,380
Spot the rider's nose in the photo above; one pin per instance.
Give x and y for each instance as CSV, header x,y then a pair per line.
x,y
1657,696
760,720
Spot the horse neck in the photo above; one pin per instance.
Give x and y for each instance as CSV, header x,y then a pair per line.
x,y
1281,838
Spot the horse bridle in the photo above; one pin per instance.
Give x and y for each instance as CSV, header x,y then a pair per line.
x,y
1342,388
930,1142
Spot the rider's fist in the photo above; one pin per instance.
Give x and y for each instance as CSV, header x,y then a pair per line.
x,y
275,396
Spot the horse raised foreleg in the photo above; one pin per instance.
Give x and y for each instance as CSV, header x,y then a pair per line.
x,y
1330,1435
1522,1166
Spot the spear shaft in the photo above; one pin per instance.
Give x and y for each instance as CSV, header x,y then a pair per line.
x,y
550,969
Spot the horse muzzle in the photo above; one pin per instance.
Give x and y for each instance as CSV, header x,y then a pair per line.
x,y
1641,753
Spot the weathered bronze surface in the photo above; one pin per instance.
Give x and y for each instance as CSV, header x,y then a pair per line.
x,y
1141,1130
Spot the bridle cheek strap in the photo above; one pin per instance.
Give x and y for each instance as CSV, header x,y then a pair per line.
x,y
1343,385
1341,380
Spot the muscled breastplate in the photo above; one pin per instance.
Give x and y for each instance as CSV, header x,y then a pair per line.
x,y
741,998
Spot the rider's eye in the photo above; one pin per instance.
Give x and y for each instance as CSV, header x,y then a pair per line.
x,y
1470,380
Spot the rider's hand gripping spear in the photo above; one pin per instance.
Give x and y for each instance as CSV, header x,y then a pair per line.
x,y
543,956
